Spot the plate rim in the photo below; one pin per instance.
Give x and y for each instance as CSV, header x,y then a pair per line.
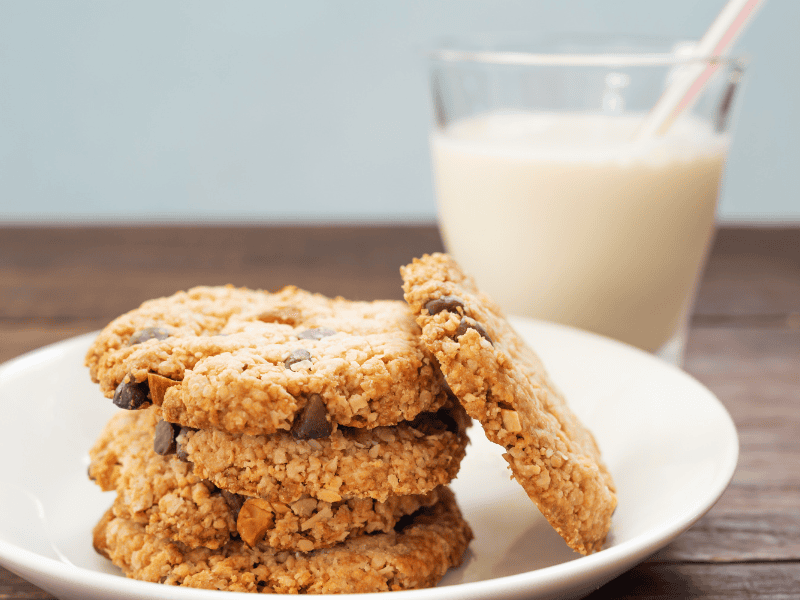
x,y
599,567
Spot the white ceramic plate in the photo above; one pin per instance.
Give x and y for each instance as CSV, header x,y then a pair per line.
x,y
670,445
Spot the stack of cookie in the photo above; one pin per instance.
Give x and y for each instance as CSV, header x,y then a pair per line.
x,y
290,442
277,442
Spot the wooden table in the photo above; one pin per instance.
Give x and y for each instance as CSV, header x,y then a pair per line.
x,y
744,345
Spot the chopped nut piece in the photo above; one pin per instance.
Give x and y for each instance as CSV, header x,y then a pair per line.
x,y
255,519
511,420
304,507
305,545
358,402
328,496
280,508
158,386
287,315
323,515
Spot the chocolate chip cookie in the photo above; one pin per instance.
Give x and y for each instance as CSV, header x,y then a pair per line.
x,y
502,383
163,495
247,361
413,457
167,496
415,554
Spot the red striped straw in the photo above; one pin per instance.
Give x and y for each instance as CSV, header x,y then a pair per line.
x,y
717,41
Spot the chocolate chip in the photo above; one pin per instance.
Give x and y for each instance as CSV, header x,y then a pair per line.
x,y
317,333
234,502
148,333
211,486
403,522
419,516
131,396
180,450
348,432
431,423
164,440
448,303
312,423
297,356
467,323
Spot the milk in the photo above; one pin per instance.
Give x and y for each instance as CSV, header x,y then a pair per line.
x,y
573,219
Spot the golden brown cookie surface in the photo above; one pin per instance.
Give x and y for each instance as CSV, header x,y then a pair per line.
x,y
502,383
171,500
161,494
248,361
415,555
350,463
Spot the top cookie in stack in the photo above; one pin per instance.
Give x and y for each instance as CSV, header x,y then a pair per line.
x,y
282,442
250,362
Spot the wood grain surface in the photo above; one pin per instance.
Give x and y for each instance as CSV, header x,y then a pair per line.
x,y
744,345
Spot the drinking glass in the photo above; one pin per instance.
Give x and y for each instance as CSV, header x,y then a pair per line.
x,y
556,193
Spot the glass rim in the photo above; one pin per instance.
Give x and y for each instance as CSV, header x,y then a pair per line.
x,y
610,59
520,49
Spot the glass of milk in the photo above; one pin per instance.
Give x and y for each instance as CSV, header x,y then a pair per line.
x,y
553,198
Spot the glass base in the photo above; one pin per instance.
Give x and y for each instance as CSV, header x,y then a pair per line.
x,y
673,351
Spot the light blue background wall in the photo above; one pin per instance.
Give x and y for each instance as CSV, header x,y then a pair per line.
x,y
306,110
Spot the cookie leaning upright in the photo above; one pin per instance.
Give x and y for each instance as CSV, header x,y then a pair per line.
x,y
503,384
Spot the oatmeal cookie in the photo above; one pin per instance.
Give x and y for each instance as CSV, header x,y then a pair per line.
x,y
248,361
161,494
503,384
415,554
164,495
409,458
412,457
